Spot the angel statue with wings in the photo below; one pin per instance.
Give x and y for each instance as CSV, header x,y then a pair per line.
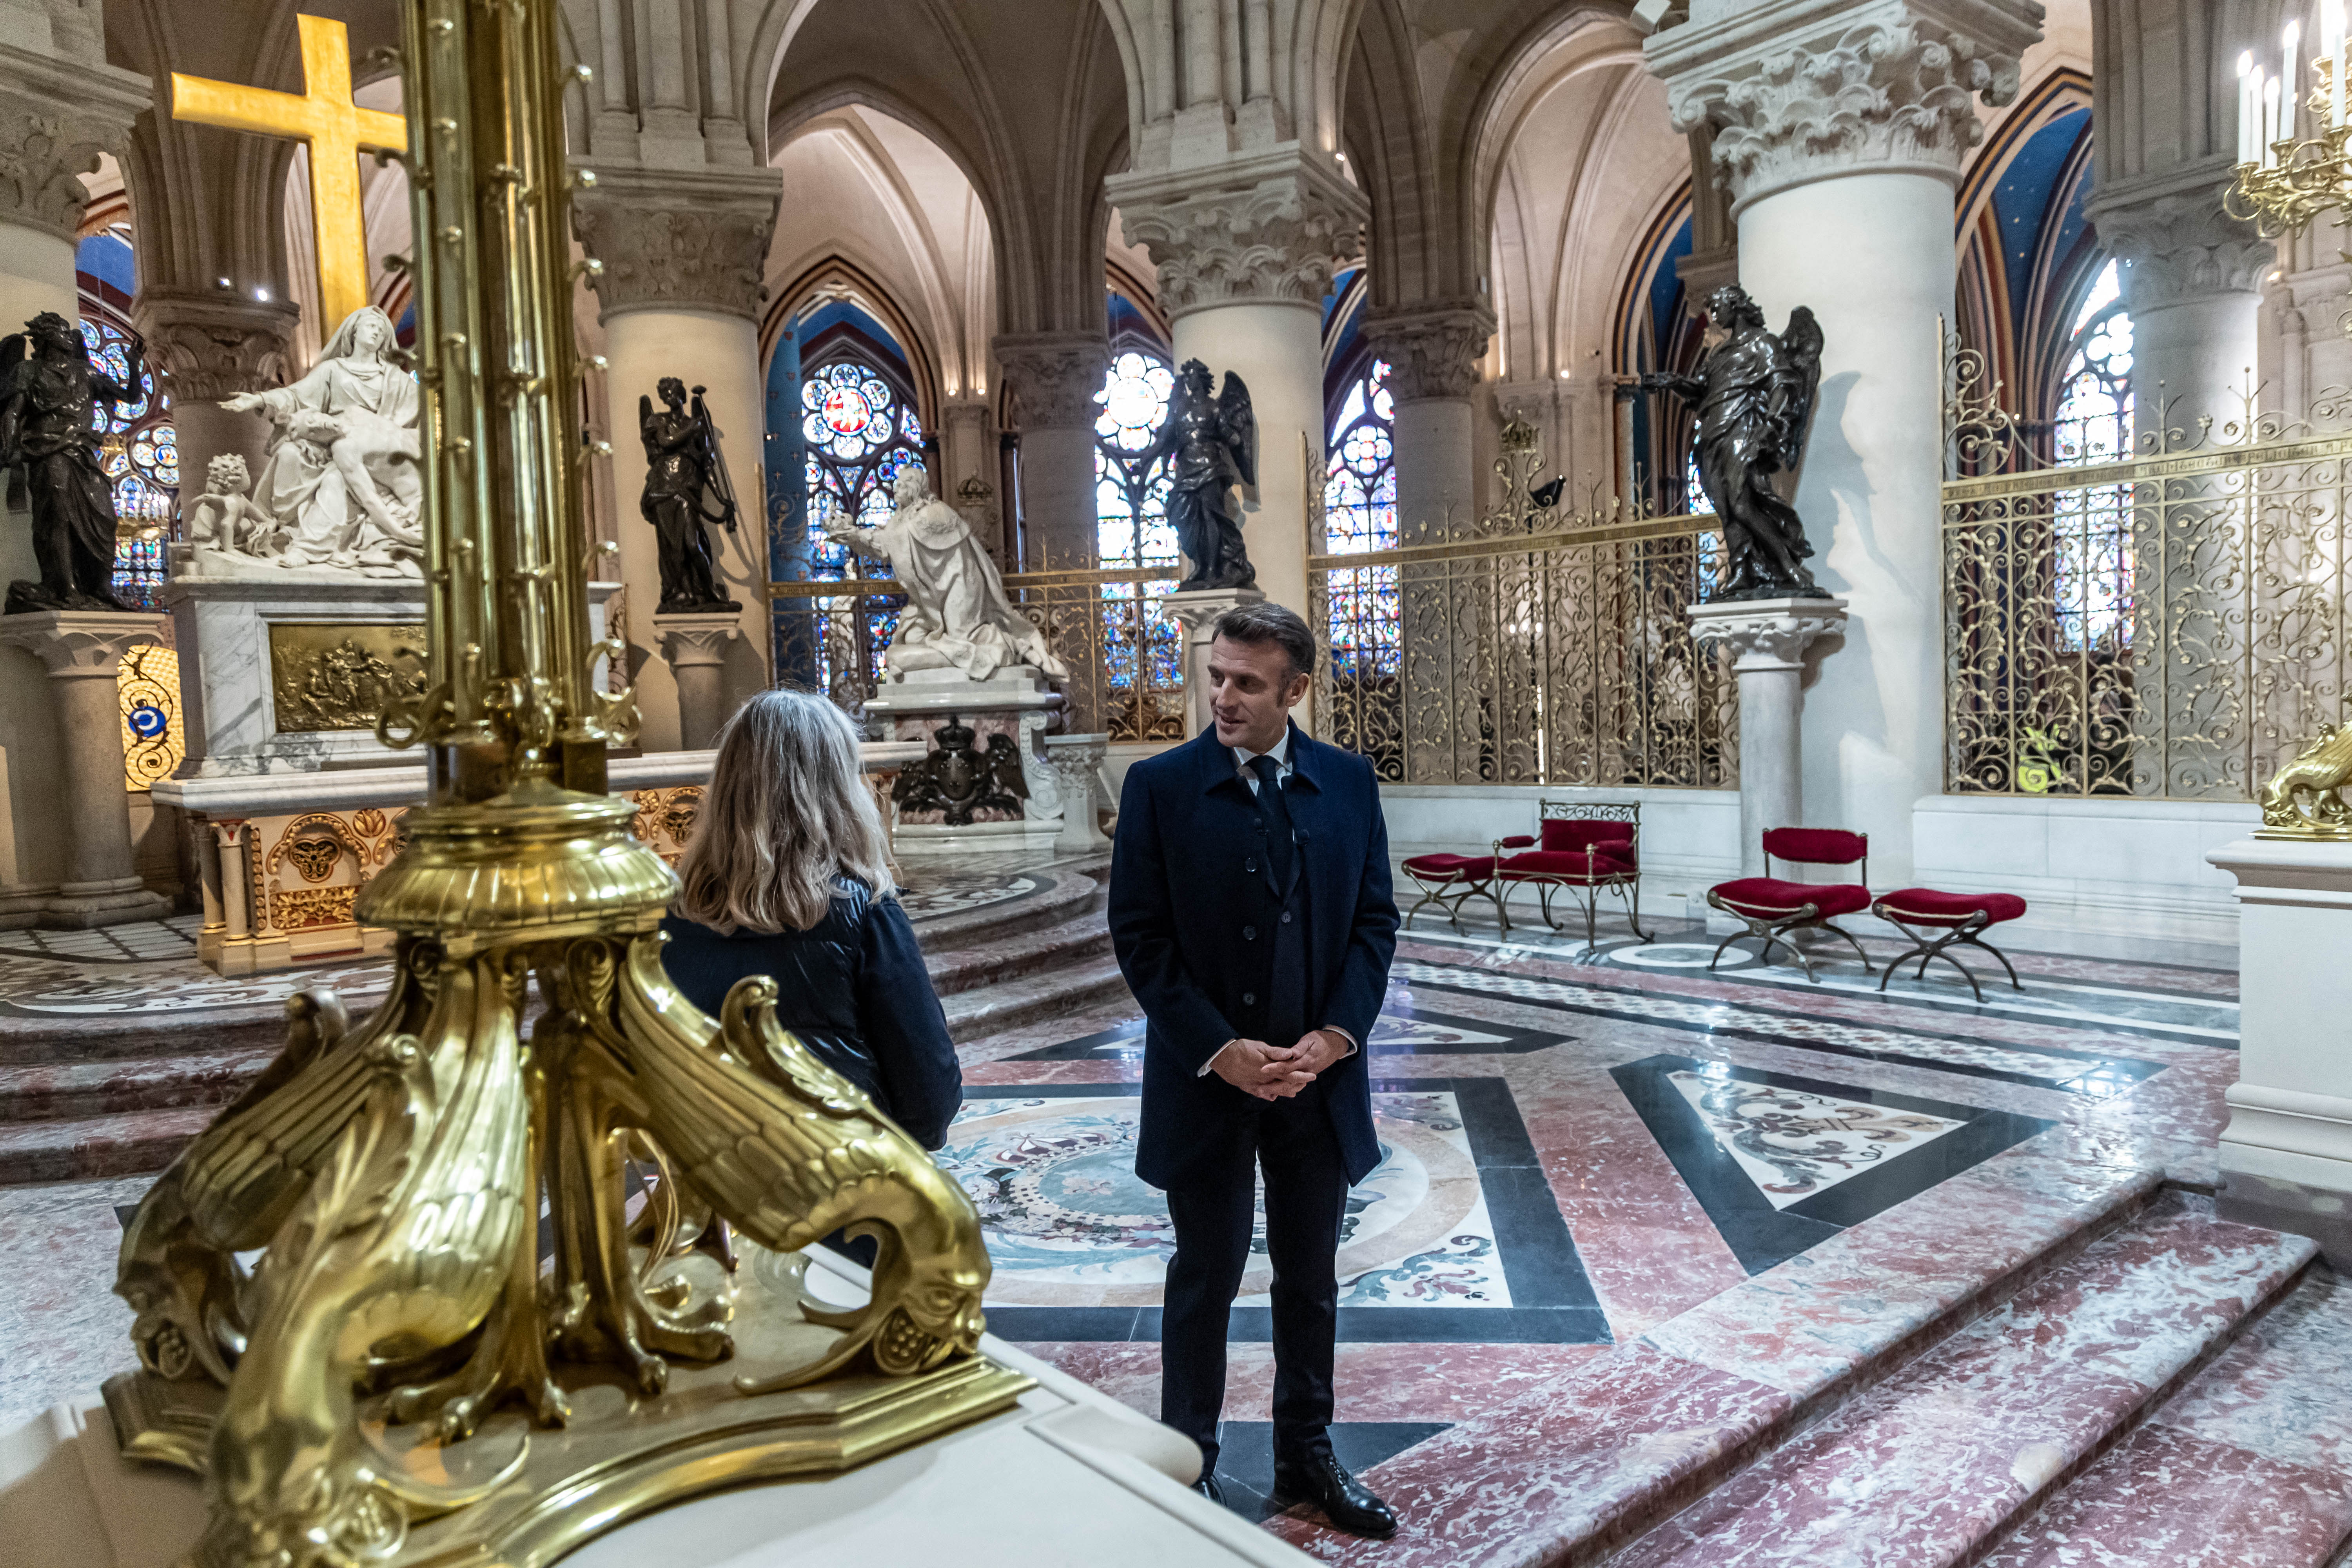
x,y
1210,446
1755,397
686,487
49,390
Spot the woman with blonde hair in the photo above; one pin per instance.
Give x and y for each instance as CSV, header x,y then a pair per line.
x,y
787,876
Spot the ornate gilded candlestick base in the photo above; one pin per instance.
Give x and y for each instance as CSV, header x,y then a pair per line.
x,y
409,1374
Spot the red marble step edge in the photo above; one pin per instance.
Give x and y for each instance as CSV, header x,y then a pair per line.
x,y
990,1010
126,1145
998,959
1944,1457
1569,1471
63,1091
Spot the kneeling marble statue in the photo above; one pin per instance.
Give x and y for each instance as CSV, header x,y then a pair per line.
x,y
957,615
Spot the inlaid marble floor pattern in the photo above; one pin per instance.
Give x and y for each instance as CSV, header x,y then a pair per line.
x,y
1586,1157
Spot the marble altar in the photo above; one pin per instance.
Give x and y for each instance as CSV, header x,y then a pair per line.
x,y
1015,703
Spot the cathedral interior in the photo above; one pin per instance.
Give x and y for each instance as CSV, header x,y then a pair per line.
x,y
1825,520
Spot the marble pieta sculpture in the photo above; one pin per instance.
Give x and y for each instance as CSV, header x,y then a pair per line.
x,y
1754,392
340,490
956,615
49,393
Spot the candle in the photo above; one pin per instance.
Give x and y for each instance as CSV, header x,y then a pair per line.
x,y
2342,56
2247,134
2289,81
2270,122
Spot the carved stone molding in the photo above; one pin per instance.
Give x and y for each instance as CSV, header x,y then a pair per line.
x,y
1056,375
215,344
1766,634
1432,350
686,239
74,644
1806,92
1267,229
2176,243
699,638
56,115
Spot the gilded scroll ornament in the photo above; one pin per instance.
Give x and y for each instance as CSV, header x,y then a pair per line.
x,y
2303,798
392,1173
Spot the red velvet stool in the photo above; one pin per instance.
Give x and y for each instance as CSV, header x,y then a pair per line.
x,y
1448,881
1946,920
1772,908
1583,846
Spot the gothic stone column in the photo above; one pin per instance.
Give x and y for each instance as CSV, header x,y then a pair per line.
x,y
1246,247
683,252
61,105
2192,279
1055,378
1839,128
81,649
216,345
696,648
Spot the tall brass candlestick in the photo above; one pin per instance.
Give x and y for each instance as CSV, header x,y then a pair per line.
x,y
393,1170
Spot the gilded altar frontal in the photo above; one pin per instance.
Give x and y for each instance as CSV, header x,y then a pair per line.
x,y
1175,783
341,675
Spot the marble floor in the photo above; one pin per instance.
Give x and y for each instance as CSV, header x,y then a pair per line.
x,y
1614,1183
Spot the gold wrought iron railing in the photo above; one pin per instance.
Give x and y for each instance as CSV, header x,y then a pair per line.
x,y
2169,623
1125,653
1535,646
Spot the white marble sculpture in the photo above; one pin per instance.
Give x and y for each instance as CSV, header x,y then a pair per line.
x,y
957,616
341,482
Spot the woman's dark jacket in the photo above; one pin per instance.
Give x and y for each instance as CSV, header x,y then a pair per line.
x,y
853,989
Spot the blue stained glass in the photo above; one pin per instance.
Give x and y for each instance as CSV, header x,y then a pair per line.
x,y
1358,517
2091,576
140,454
1131,527
860,435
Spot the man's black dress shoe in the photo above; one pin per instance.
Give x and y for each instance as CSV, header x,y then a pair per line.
x,y
1207,1487
1346,1502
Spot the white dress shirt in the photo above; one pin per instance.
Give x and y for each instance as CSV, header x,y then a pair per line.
x,y
1243,757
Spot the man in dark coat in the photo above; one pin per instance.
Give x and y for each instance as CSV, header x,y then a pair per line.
x,y
1251,911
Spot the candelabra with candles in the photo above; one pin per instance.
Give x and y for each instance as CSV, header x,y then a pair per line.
x,y
2284,179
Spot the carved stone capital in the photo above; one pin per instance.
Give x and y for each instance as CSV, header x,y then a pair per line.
x,y
698,638
1766,634
58,113
1432,350
678,239
1809,91
2176,243
1270,227
80,644
1056,375
215,344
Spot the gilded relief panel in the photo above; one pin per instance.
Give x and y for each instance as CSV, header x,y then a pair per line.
x,y
339,675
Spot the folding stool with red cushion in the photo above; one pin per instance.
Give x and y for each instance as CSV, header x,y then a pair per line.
x,y
1449,882
1772,908
1583,846
1946,920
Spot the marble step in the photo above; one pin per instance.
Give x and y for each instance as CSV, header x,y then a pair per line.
x,y
68,1091
1070,893
992,1009
1946,1454
121,1145
2250,1465
1571,1470
1000,958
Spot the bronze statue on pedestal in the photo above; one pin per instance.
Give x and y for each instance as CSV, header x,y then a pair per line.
x,y
686,487
49,393
1755,397
1210,446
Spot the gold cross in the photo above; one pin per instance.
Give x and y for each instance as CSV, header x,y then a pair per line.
x,y
323,115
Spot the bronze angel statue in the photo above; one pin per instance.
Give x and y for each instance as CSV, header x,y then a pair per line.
x,y
1210,446
49,390
1755,396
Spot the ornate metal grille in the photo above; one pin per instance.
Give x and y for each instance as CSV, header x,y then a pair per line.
x,y
1559,657
2167,625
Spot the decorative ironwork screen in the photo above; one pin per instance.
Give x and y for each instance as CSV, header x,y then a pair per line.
x,y
1512,656
2169,623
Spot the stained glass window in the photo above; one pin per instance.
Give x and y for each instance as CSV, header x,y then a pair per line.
x,y
1131,529
1694,500
860,432
1359,515
2092,571
139,451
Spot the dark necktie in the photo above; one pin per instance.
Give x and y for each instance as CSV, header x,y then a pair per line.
x,y
1279,847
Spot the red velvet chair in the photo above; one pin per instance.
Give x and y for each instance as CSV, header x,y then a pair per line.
x,y
1772,908
1958,917
1449,882
1583,846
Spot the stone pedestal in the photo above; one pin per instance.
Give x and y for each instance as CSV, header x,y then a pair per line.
x,y
1769,638
1077,763
2286,1156
80,650
1197,613
1014,702
695,647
